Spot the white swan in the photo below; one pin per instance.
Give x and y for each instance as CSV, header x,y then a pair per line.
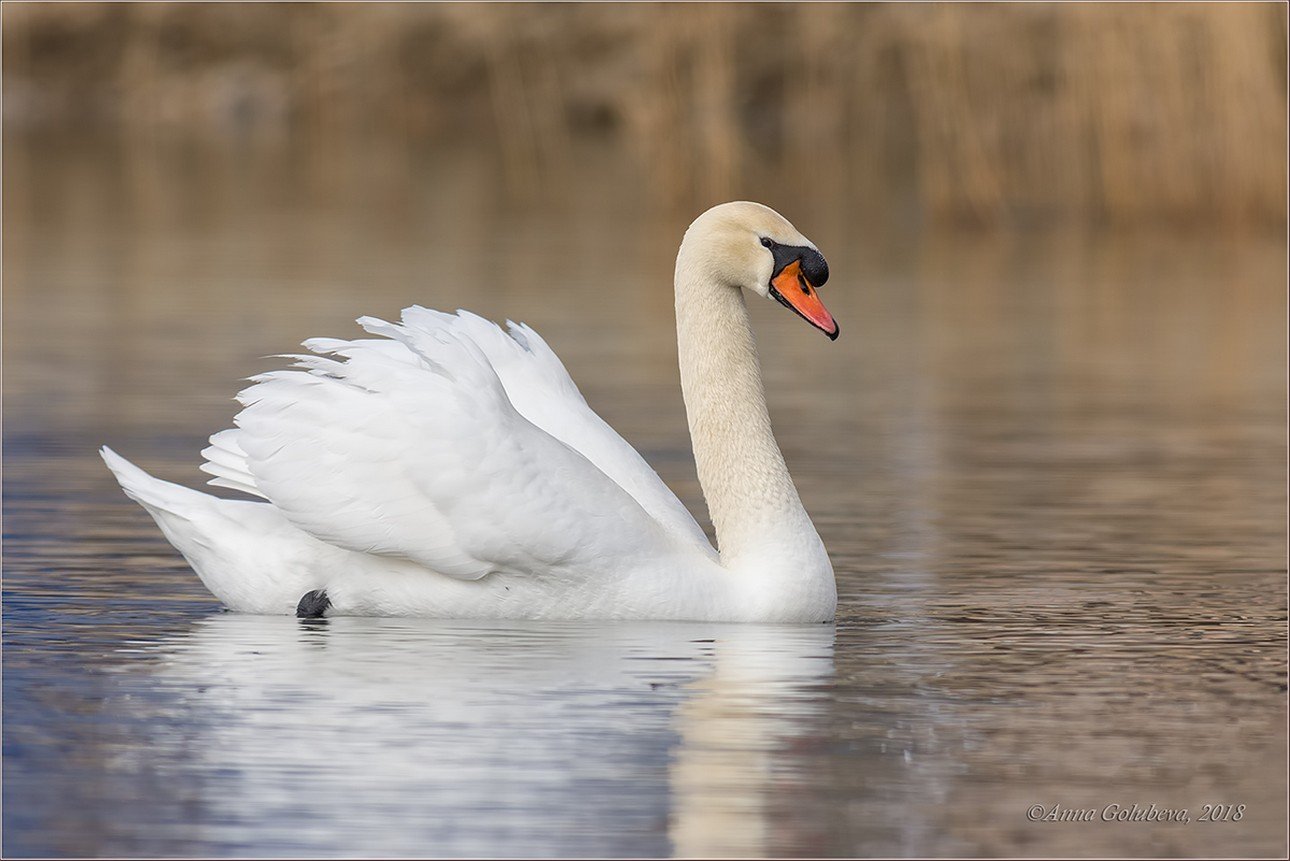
x,y
450,469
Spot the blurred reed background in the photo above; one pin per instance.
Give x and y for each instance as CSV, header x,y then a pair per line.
x,y
977,114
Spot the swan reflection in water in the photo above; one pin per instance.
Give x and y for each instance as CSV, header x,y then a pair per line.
x,y
403,736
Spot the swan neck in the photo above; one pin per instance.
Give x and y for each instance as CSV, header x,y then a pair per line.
x,y
751,498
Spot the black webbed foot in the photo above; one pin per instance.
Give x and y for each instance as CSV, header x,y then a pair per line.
x,y
313,605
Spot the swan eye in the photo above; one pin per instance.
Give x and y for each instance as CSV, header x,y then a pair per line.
x,y
767,243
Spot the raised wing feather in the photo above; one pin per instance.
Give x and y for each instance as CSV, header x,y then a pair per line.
x,y
411,447
543,392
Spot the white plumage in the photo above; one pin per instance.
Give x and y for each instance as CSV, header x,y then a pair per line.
x,y
446,467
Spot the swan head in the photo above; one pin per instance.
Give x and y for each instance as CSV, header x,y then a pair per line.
x,y
750,246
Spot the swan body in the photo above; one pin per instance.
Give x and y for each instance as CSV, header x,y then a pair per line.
x,y
449,468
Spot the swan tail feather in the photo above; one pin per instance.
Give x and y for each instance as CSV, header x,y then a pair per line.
x,y
231,544
152,493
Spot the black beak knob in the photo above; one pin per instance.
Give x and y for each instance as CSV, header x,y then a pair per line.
x,y
814,267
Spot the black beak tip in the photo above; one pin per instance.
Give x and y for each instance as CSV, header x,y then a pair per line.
x,y
833,336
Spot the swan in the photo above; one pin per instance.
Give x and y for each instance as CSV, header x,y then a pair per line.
x,y
447,468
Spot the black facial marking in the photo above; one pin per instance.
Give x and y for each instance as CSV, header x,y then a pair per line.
x,y
313,605
814,266
784,255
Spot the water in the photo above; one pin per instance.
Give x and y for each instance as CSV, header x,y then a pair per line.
x,y
1050,471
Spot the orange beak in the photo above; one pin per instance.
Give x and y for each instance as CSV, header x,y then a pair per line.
x,y
792,289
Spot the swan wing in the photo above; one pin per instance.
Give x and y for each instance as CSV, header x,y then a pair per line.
x,y
540,388
408,446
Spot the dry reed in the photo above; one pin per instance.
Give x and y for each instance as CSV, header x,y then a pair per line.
x,y
981,113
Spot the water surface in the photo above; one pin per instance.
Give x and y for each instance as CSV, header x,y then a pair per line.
x,y
1050,471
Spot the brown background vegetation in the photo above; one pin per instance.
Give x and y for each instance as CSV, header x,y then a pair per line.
x,y
1095,113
